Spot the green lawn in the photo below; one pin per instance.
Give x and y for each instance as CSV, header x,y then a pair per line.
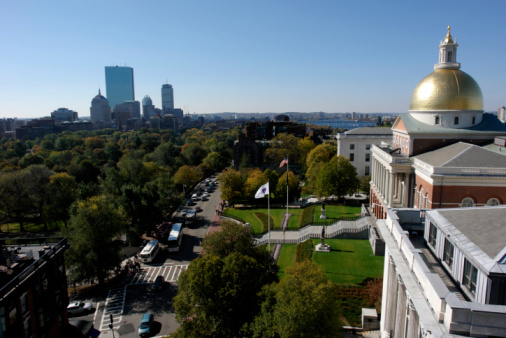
x,y
248,214
286,258
337,211
351,263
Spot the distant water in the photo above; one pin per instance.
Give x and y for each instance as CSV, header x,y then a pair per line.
x,y
341,124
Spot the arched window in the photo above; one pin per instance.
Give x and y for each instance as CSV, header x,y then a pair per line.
x,y
416,197
436,120
420,202
467,202
456,120
450,56
493,202
427,200
474,120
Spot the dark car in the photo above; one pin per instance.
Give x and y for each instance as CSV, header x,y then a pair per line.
x,y
198,209
146,325
158,284
189,202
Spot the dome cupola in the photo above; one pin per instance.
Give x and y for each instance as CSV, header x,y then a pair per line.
x,y
447,97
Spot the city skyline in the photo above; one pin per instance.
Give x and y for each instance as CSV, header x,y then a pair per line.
x,y
244,56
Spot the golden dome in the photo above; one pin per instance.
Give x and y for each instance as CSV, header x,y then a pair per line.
x,y
447,89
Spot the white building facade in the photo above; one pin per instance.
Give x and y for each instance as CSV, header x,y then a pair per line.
x,y
356,146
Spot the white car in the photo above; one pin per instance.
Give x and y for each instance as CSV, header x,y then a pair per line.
x,y
79,308
206,194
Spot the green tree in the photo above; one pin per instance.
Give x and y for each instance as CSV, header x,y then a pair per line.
x,y
14,199
218,294
254,181
62,193
38,177
231,185
304,146
365,184
293,187
283,145
187,176
301,305
337,177
93,228
315,160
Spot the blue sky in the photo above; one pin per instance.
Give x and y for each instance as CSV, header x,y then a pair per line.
x,y
244,56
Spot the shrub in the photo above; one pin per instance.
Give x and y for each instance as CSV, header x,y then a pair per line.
x,y
307,216
304,251
265,224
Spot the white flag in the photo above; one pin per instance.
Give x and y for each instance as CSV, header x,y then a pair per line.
x,y
264,190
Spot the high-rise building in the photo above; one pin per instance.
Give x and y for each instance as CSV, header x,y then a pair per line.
x,y
100,109
119,83
167,98
148,109
134,107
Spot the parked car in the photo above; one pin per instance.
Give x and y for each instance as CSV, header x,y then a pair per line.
x,y
183,212
79,308
158,284
189,202
146,324
204,198
195,197
198,209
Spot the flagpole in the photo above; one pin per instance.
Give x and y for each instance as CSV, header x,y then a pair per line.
x,y
269,216
287,164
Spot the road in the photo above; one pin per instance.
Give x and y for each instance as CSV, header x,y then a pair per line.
x,y
126,305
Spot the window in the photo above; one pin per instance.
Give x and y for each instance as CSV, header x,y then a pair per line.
x,y
450,56
352,157
473,120
493,202
28,327
436,120
467,202
432,235
367,157
421,199
448,253
24,303
367,170
470,276
367,146
456,120
352,146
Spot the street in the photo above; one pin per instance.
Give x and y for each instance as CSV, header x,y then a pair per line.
x,y
127,305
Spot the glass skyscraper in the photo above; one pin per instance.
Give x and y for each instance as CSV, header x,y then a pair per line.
x,y
119,84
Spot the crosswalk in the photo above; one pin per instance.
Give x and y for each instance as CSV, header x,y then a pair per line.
x,y
148,275
113,308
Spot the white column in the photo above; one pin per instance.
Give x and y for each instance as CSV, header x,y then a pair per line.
x,y
390,299
400,313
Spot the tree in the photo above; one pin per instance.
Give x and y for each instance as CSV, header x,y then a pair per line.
x,y
365,184
315,160
301,305
212,162
231,185
38,177
338,177
293,186
283,145
254,181
218,294
187,176
93,228
194,153
304,146
14,196
62,193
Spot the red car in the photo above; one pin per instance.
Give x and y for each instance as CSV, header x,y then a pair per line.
x,y
198,209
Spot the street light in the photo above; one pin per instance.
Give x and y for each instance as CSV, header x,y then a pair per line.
x,y
110,326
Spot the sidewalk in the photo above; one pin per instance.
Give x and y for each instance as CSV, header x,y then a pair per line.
x,y
216,222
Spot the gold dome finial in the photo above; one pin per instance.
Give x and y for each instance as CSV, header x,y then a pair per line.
x,y
448,38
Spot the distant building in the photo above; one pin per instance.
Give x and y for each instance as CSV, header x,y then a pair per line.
x,y
148,109
356,145
37,128
119,83
64,114
444,272
501,114
133,107
100,109
167,98
33,288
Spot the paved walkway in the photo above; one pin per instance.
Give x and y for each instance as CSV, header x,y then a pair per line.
x,y
216,222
